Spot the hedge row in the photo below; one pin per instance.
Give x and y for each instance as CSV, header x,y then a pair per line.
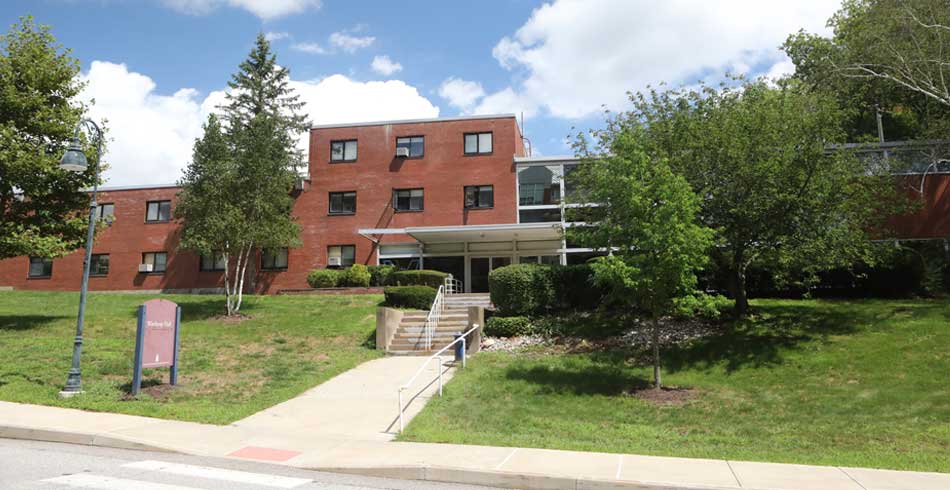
x,y
419,297
355,276
532,289
423,277
359,275
508,326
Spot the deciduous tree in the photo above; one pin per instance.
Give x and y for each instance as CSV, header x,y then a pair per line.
x,y
42,208
648,221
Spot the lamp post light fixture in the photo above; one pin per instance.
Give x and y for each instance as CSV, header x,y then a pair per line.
x,y
74,160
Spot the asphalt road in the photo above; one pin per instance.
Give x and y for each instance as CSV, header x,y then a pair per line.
x,y
47,465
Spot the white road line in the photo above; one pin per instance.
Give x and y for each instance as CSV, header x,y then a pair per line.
x,y
259,479
619,465
98,482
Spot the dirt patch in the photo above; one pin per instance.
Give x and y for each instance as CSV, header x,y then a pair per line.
x,y
667,395
156,391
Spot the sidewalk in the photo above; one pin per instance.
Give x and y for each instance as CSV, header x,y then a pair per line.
x,y
345,425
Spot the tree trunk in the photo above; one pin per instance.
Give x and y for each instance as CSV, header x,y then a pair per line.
x,y
657,383
240,281
742,301
227,282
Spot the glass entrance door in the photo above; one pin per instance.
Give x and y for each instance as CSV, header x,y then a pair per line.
x,y
480,267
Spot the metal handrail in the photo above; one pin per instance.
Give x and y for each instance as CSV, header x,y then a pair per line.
x,y
426,364
452,285
434,316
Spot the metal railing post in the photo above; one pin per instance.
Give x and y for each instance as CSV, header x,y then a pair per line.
x,y
438,365
401,426
463,353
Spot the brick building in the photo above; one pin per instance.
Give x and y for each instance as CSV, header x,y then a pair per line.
x,y
454,194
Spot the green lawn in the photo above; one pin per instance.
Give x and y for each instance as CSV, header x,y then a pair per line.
x,y
861,383
229,370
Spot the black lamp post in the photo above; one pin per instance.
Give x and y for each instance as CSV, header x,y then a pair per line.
x,y
74,160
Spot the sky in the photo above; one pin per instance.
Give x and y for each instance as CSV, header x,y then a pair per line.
x,y
156,68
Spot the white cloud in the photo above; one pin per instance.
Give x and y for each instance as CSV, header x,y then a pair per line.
x,y
350,43
572,57
310,48
265,9
461,93
781,68
385,66
150,135
276,36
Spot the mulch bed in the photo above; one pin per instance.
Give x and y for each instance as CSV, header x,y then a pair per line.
x,y
667,395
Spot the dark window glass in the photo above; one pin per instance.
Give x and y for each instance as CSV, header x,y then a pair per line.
x,y
343,151
415,144
346,255
106,212
568,181
539,215
274,259
155,259
99,265
214,262
479,196
342,202
538,185
41,267
158,211
476,143
408,200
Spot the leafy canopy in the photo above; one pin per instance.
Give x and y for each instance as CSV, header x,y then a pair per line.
x,y
41,206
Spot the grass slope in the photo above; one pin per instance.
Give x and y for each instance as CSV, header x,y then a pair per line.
x,y
813,382
228,371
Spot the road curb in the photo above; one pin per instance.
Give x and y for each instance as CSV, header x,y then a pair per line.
x,y
75,437
507,479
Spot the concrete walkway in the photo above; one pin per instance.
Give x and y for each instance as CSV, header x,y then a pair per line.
x,y
345,425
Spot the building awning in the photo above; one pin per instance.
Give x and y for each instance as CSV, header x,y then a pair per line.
x,y
473,233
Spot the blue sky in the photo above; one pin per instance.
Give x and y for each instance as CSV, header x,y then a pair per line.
x,y
157,67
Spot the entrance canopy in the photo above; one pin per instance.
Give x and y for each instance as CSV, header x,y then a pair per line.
x,y
474,233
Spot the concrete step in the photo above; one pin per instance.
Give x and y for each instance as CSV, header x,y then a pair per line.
x,y
415,330
455,324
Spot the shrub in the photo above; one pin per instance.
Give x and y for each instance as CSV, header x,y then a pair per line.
x,y
519,289
422,277
420,297
508,326
355,276
574,287
379,275
323,278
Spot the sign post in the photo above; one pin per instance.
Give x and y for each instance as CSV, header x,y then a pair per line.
x,y
156,340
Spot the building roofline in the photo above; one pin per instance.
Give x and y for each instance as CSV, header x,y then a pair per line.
x,y
133,187
413,121
547,158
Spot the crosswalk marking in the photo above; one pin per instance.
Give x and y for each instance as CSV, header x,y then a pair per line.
x,y
98,482
235,476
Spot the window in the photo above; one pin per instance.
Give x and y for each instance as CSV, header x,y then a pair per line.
x,y
99,265
215,262
41,267
479,196
155,259
415,144
157,211
106,212
341,255
477,143
537,186
343,151
407,200
539,215
274,259
342,203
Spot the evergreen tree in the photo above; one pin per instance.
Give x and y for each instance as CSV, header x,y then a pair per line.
x,y
235,198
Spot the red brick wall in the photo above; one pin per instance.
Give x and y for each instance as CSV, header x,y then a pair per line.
x,y
442,173
932,220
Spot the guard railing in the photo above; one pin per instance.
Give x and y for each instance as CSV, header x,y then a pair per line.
x,y
438,356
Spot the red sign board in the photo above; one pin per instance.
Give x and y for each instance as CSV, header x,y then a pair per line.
x,y
158,343
156,340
